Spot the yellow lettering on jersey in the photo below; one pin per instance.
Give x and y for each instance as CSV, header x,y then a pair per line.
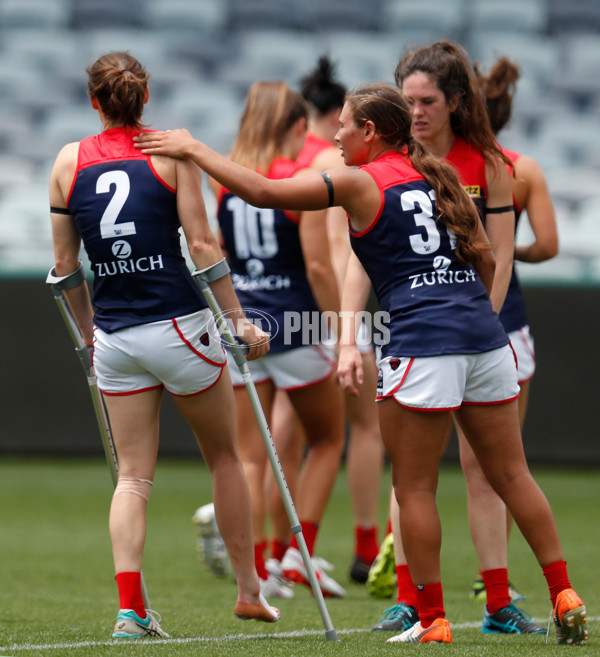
x,y
474,191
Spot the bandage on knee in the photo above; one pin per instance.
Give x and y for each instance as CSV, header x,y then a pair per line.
x,y
133,485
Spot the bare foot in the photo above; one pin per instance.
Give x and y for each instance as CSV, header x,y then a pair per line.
x,y
259,612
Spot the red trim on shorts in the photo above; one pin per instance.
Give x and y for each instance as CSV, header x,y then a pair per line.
x,y
410,364
526,380
526,346
491,403
421,409
526,343
514,355
239,386
312,383
193,349
395,390
199,392
132,392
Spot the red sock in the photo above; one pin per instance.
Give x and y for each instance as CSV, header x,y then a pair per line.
x,y
365,540
557,578
495,581
430,603
407,593
259,559
309,531
278,548
130,592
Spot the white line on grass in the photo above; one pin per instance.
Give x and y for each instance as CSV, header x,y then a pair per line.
x,y
203,639
200,639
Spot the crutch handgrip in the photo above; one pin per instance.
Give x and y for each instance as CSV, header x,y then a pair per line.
x,y
85,357
203,278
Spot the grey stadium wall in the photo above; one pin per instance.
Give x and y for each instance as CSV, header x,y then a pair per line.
x,y
46,408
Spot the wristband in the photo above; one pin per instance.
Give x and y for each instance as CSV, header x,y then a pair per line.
x,y
500,210
329,184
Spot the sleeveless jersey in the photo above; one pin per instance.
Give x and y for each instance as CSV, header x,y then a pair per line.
x,y
436,304
127,218
267,265
470,166
514,313
313,145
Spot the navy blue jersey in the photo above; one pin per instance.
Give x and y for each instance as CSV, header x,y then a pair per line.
x,y
514,313
267,266
437,305
127,218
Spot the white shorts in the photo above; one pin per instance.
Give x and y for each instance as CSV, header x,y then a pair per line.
x,y
441,383
289,370
178,354
522,343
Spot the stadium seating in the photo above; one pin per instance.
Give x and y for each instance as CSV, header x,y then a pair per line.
x,y
34,13
529,16
202,16
204,54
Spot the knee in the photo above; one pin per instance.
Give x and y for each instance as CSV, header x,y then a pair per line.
x,y
133,486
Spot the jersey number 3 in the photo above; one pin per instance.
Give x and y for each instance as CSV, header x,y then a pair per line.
x,y
430,242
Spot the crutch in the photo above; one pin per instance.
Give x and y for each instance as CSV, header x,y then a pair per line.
x,y
58,284
203,278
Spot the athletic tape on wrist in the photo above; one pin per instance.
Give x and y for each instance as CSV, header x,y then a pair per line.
x,y
214,272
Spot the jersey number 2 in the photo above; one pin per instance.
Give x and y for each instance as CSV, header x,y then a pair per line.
x,y
108,224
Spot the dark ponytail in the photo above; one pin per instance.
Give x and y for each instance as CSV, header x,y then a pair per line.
x,y
499,87
320,88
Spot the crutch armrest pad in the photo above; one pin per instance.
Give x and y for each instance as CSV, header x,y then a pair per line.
x,y
213,272
67,282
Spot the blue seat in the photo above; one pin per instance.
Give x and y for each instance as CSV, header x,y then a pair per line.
x,y
529,16
49,14
201,16
93,14
438,18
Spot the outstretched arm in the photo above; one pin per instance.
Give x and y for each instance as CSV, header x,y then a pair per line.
x,y
301,193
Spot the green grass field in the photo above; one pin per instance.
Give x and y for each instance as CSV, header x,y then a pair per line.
x,y
58,596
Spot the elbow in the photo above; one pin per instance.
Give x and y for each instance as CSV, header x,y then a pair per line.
x,y
199,248
65,265
318,272
550,250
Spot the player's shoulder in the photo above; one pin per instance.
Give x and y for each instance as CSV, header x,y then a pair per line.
x,y
328,158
